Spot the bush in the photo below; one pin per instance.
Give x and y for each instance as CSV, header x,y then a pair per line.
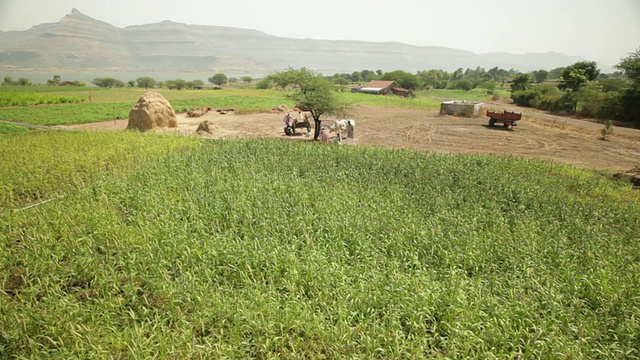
x,y
264,84
525,97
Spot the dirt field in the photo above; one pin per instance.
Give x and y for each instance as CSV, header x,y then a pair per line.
x,y
537,135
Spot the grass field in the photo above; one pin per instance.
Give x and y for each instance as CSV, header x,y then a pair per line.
x,y
158,246
110,104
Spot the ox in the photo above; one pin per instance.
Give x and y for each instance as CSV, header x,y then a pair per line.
x,y
198,112
344,128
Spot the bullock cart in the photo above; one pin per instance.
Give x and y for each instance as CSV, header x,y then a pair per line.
x,y
506,118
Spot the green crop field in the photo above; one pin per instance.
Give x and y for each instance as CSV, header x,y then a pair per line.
x,y
77,105
122,245
110,104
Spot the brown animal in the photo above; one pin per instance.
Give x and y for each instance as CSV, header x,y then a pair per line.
x,y
198,112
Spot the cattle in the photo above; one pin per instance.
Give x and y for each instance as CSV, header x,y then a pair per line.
x,y
198,112
345,128
340,127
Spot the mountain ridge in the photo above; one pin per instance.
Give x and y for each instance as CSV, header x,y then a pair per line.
x,y
81,43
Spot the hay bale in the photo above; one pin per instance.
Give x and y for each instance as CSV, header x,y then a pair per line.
x,y
152,111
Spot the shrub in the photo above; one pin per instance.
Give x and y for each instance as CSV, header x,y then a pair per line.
x,y
264,84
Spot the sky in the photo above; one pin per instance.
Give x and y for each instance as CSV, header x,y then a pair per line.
x,y
604,31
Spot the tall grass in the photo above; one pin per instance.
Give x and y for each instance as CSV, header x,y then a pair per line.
x,y
267,248
42,165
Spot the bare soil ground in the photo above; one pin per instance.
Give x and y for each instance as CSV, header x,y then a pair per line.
x,y
537,135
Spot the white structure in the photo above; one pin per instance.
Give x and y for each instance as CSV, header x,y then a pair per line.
x,y
461,108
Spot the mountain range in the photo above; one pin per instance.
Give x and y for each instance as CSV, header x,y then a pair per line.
x,y
81,43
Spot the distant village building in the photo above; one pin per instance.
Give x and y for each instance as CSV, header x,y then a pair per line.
x,y
384,87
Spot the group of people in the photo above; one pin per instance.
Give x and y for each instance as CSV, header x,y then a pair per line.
x,y
350,125
290,123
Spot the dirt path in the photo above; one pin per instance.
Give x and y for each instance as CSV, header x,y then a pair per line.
x,y
537,135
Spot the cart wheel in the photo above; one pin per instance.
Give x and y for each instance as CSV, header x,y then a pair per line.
x,y
492,122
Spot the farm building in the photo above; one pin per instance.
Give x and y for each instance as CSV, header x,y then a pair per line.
x,y
461,108
384,87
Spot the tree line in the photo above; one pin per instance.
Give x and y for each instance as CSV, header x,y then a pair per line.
x,y
582,90
578,89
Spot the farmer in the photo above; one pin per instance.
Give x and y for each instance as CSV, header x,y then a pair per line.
x,y
324,135
287,125
287,119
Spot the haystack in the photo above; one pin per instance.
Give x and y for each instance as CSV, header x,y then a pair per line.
x,y
152,111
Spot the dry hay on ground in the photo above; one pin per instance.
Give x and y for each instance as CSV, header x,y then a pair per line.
x,y
150,112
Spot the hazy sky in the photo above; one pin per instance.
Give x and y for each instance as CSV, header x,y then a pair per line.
x,y
598,30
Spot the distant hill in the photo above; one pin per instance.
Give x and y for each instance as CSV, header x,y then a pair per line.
x,y
80,43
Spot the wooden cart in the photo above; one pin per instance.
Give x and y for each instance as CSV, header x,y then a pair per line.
x,y
506,118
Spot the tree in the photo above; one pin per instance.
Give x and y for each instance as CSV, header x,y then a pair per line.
x,y
291,77
194,84
403,78
218,79
630,101
247,79
630,66
131,83
146,82
177,84
464,84
107,82
555,73
520,82
264,84
575,76
314,92
540,75
7,81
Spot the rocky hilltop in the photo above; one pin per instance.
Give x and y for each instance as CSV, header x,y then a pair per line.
x,y
81,43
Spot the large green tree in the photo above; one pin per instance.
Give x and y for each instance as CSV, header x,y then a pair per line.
x,y
540,75
218,79
630,101
403,78
520,82
146,82
575,76
108,82
630,66
314,92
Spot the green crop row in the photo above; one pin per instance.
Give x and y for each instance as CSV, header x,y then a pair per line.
x,y
281,249
6,128
12,98
100,110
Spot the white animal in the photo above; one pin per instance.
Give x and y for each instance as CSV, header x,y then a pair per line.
x,y
340,127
